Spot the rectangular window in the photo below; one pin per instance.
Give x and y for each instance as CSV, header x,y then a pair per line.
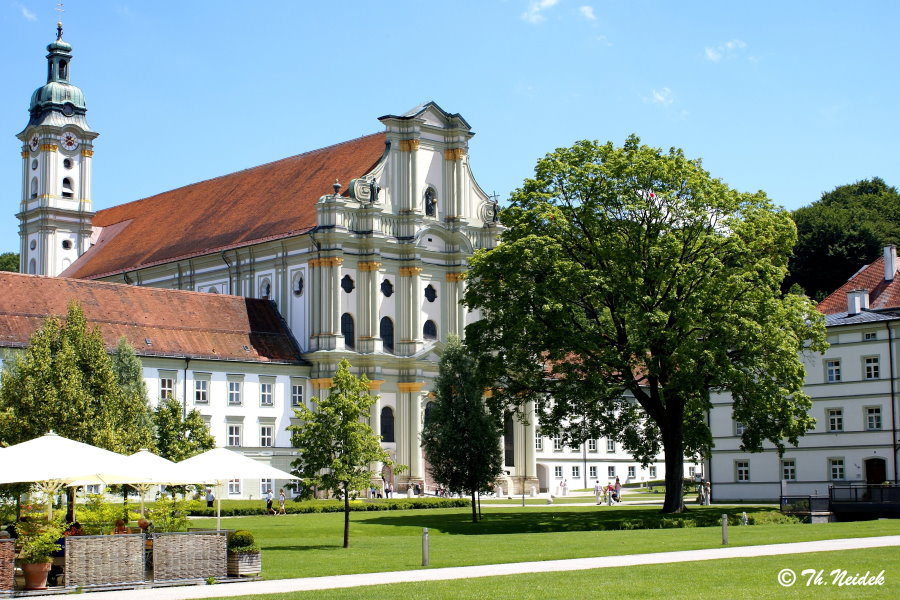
x,y
871,368
739,428
832,371
652,472
836,466
92,489
266,397
557,472
835,419
789,469
538,443
692,471
592,472
742,470
234,435
557,442
576,472
631,472
235,387
296,393
234,487
266,436
201,391
265,486
610,445
166,384
592,445
870,335
873,418
610,471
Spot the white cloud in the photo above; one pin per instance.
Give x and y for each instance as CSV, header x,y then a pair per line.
x,y
535,9
729,48
587,12
29,16
663,96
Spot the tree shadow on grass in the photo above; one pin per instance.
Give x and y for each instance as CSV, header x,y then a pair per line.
x,y
557,520
301,548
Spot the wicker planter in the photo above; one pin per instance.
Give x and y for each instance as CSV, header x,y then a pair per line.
x,y
244,563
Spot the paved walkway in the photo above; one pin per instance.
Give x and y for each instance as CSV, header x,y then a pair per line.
x,y
276,586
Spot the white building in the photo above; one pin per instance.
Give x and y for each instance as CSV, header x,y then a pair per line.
x,y
854,391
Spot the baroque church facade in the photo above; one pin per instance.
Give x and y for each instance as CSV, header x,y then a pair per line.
x,y
360,247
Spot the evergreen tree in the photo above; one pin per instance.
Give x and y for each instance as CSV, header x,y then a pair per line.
x,y
462,438
178,435
336,444
130,377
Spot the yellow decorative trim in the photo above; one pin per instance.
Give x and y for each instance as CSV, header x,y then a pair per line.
x,y
49,147
372,265
409,145
323,383
332,261
375,384
87,153
455,276
454,153
410,271
411,386
25,153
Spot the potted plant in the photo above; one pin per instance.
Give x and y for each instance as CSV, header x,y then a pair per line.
x,y
37,541
243,554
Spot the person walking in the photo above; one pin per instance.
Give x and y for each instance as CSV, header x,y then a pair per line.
x,y
210,498
610,493
708,494
269,497
618,490
598,491
281,499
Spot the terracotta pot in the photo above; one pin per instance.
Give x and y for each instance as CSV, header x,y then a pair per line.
x,y
36,575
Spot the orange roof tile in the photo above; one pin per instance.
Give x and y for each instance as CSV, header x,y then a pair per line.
x,y
882,294
264,202
177,323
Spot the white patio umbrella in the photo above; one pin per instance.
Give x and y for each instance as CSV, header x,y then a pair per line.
x,y
220,465
52,461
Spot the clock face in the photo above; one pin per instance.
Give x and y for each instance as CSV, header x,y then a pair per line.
x,y
34,142
69,141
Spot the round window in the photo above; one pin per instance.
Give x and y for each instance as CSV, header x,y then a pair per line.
x,y
67,163
67,244
33,244
34,164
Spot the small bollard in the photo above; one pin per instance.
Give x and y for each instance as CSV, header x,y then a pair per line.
x,y
724,529
424,546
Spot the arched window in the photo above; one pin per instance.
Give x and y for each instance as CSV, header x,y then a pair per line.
x,y
387,288
429,330
430,293
387,424
509,454
32,266
347,284
428,408
386,330
213,290
34,187
265,289
430,202
297,285
67,190
347,330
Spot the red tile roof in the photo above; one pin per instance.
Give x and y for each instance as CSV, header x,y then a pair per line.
x,y
882,294
177,323
265,202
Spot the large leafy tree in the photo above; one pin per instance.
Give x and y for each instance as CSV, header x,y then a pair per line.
x,y
179,435
629,286
845,229
9,261
64,381
462,438
337,445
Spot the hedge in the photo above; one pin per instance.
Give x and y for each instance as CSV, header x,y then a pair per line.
x,y
199,509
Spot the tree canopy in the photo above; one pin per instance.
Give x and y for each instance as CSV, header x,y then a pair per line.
x,y
844,230
9,261
630,285
337,445
462,437
64,381
179,435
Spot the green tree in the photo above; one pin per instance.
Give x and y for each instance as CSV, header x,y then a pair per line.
x,y
844,230
9,261
64,381
179,435
336,444
462,437
629,286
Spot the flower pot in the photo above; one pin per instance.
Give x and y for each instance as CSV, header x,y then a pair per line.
x,y
36,575
244,563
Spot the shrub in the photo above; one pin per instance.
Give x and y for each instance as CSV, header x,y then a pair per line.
x,y
242,541
773,518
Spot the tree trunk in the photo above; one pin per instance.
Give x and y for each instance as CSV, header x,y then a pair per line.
x,y
346,517
673,447
474,510
70,504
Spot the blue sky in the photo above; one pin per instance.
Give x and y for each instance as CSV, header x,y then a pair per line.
x,y
793,98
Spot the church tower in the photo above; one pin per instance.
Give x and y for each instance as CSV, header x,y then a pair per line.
x,y
57,147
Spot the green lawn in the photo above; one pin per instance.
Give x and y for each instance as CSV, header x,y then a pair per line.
x,y
738,579
310,545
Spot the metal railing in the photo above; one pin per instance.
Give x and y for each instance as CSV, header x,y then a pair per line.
x,y
804,504
865,493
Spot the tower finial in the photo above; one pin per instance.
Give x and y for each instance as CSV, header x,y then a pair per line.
x,y
60,9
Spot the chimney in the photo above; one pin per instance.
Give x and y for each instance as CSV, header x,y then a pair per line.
x,y
890,262
857,301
